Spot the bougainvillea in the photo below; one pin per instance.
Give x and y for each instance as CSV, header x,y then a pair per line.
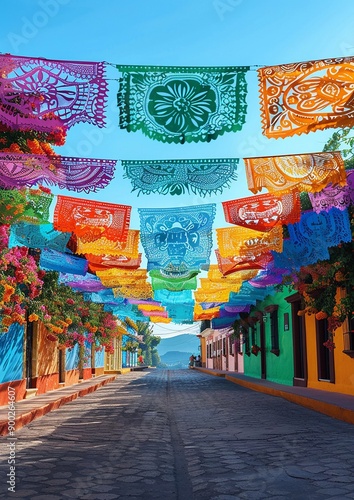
x,y
30,141
71,320
28,293
21,283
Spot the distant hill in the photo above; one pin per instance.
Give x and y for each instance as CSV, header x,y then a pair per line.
x,y
176,359
186,344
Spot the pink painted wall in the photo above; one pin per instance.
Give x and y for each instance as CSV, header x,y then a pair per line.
x,y
221,361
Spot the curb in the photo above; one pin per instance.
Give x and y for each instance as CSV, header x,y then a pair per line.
x,y
335,411
328,409
208,372
30,415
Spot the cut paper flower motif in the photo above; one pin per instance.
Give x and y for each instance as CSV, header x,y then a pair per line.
x,y
182,104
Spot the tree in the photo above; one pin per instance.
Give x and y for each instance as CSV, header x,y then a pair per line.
x,y
342,140
147,356
149,343
155,358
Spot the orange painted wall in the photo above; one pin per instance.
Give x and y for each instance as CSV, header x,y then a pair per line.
x,y
343,364
46,375
86,373
71,377
20,391
46,383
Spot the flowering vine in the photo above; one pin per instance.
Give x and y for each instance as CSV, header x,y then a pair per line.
x,y
20,283
28,293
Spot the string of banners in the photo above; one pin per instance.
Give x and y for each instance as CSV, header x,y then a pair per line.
x,y
176,104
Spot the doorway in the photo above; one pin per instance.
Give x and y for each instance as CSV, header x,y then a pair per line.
x,y
61,363
29,355
299,347
299,341
263,351
325,357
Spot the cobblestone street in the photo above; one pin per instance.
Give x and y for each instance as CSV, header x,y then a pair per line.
x,y
181,435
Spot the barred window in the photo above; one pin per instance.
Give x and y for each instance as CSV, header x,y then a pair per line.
x,y
274,330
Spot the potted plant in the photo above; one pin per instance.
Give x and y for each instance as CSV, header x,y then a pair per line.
x,y
255,349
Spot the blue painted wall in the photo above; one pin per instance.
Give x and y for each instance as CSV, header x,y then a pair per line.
x,y
124,359
87,354
11,354
72,358
99,358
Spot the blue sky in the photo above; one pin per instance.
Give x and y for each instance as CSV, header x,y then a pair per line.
x,y
179,33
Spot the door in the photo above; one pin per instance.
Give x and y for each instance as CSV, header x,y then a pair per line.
x,y
61,363
299,346
29,355
325,357
263,351
235,350
226,351
299,341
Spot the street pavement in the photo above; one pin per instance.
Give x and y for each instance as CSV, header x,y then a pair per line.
x,y
179,435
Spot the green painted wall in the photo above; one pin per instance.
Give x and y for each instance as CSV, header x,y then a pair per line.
x,y
252,364
280,368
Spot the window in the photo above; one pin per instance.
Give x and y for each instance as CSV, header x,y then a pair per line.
x,y
247,342
349,339
224,346
253,331
274,332
231,346
274,328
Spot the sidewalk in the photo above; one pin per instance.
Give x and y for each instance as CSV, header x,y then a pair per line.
x,y
333,404
37,406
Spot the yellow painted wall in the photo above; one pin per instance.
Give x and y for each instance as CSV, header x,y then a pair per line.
x,y
343,364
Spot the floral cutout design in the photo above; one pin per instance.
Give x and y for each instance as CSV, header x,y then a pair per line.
x,y
182,104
